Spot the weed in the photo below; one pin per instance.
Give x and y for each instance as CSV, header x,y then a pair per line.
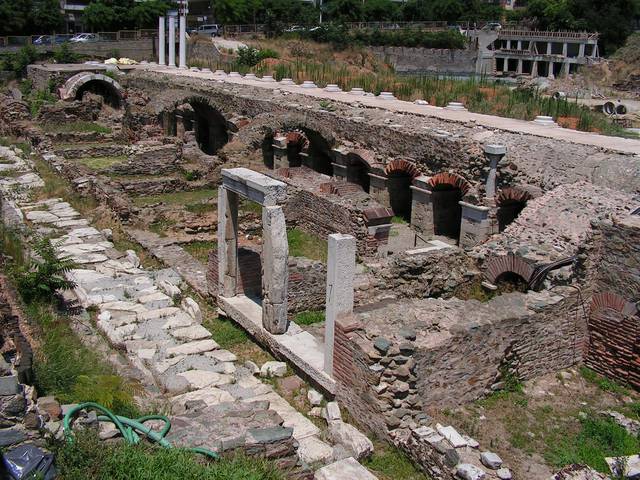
x,y
200,249
77,126
310,317
101,163
398,219
192,175
177,198
326,105
389,463
303,244
603,383
225,332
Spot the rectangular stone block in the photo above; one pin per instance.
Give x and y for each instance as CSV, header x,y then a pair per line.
x,y
254,185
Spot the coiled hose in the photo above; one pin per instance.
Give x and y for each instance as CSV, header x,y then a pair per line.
x,y
128,427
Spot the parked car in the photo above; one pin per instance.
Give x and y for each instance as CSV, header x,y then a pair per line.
x,y
84,38
296,28
493,26
42,40
212,30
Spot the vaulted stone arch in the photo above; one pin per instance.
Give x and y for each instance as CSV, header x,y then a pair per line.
x,y
198,114
450,179
508,264
400,174
510,202
98,83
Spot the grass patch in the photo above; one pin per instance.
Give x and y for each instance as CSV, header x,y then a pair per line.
x,y
66,368
603,383
178,198
11,174
161,224
225,332
309,317
200,249
247,206
101,163
302,244
78,126
88,457
389,463
14,142
398,219
596,439
201,208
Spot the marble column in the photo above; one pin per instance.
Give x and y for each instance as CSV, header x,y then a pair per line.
x,y
161,42
494,154
227,242
275,270
172,41
182,54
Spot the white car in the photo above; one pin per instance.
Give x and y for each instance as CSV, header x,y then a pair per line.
x,y
84,38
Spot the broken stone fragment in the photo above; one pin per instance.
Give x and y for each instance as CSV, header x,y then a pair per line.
x,y
491,460
504,474
273,369
467,471
332,412
355,442
50,407
382,344
314,397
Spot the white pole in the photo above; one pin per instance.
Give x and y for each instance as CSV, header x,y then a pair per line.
x,y
161,41
172,41
183,41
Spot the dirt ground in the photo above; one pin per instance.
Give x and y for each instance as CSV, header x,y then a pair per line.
x,y
530,429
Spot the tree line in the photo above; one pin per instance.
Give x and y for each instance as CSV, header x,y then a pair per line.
x,y
613,18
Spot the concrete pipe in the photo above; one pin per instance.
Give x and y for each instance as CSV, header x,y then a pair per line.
x,y
621,109
609,108
559,95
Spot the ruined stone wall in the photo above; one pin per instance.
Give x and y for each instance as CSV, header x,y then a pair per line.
x,y
152,160
435,145
613,264
432,274
428,60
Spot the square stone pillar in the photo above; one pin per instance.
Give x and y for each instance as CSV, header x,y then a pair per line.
x,y
422,206
340,274
565,49
275,270
581,50
519,67
227,242
280,157
378,189
549,47
476,225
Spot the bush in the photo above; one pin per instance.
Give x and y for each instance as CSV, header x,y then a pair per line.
x,y
64,54
43,275
251,56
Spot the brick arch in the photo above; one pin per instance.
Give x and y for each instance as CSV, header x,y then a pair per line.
x,y
453,179
512,195
612,301
73,85
402,166
295,136
508,264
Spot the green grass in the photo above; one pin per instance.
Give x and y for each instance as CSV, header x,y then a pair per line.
x,y
603,383
11,174
303,244
101,163
398,219
309,317
66,368
247,206
77,126
389,463
14,142
200,208
178,198
161,224
225,332
88,457
200,249
596,439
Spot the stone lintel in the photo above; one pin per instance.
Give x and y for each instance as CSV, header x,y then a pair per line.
x,y
254,185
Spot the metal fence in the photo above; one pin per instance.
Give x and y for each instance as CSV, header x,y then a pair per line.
x,y
57,39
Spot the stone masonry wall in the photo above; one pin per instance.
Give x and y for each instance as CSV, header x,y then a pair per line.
x,y
423,60
613,268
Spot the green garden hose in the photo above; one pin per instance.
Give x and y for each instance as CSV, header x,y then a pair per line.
x,y
128,428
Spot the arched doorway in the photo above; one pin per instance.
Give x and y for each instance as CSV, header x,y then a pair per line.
x,y
400,175
510,202
319,153
447,191
106,90
210,127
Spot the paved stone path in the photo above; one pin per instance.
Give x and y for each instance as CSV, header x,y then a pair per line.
x,y
216,402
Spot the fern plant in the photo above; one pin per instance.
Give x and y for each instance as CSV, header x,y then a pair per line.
x,y
44,273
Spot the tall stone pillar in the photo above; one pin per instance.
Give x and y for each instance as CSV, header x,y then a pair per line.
x,y
581,50
275,270
340,274
519,67
519,44
550,71
227,242
549,47
534,68
172,41
161,41
565,49
183,42
476,225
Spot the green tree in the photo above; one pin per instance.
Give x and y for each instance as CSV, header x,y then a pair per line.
x,y
380,11
145,14
341,11
15,15
449,10
551,14
98,16
233,11
46,16
416,10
